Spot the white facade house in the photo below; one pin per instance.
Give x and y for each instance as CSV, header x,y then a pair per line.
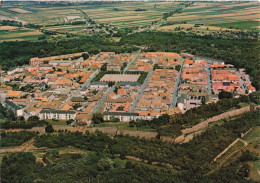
x,y
57,114
14,70
125,117
98,85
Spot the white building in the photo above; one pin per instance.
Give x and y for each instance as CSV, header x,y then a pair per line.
x,y
57,114
14,70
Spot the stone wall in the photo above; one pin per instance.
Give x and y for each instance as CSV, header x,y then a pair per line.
x,y
205,124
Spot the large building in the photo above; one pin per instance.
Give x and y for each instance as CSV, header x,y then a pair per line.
x,y
56,114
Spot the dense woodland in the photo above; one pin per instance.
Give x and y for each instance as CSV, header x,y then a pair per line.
x,y
190,161
15,139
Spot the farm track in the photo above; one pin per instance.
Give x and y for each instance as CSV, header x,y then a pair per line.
x,y
25,147
223,152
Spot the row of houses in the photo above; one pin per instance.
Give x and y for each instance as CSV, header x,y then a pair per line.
x,y
194,86
158,93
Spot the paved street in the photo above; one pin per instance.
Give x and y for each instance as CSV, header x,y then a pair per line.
x,y
86,84
130,63
103,99
208,79
241,82
176,88
140,92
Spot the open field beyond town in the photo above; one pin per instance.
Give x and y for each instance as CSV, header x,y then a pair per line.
x,y
213,17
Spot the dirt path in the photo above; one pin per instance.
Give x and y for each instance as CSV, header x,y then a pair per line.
x,y
223,152
25,147
231,145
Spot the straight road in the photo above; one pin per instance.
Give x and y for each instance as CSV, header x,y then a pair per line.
x,y
130,63
176,88
103,99
208,79
140,92
241,82
86,84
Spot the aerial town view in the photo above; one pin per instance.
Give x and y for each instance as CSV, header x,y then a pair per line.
x,y
129,91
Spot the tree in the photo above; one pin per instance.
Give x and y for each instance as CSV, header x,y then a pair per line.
x,y
10,115
244,98
132,123
255,97
104,67
110,84
68,122
85,56
116,89
173,130
49,129
33,118
225,94
76,106
105,164
98,118
203,100
178,67
156,66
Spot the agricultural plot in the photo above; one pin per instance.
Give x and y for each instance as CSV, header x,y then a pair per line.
x,y
119,14
20,35
124,14
192,28
214,16
243,15
18,10
66,28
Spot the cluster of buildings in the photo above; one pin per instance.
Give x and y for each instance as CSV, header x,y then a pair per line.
x,y
226,77
144,62
169,60
62,87
194,86
158,93
119,102
119,61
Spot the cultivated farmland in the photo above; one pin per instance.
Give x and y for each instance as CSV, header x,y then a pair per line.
x,y
211,17
243,15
